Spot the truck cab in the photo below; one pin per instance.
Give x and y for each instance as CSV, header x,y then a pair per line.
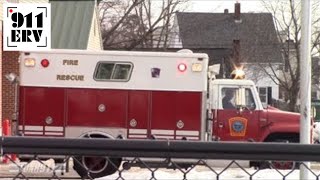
x,y
238,115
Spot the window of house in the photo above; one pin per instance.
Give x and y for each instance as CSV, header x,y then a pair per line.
x,y
265,94
112,71
313,95
286,63
281,93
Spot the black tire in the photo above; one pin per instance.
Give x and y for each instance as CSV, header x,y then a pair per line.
x,y
284,165
96,167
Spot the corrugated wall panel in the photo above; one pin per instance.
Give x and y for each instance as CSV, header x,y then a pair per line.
x,y
71,22
32,1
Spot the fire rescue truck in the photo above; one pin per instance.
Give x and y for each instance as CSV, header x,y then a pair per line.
x,y
140,95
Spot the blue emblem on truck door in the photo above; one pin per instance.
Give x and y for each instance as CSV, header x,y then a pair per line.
x,y
238,126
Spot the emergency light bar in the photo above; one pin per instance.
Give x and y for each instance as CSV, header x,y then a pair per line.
x,y
237,74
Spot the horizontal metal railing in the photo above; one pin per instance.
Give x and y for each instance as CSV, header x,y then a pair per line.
x,y
137,150
161,148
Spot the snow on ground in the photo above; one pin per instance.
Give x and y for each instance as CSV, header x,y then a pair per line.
x,y
203,173
197,173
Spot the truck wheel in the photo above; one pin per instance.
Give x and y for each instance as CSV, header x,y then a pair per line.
x,y
289,165
95,167
282,165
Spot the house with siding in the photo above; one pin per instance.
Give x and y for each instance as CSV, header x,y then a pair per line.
x,y
74,25
242,39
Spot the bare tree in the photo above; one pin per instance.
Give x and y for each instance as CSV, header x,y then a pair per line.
x,y
316,73
129,24
287,19
113,14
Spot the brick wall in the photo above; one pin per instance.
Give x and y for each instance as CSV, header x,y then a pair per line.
x,y
1,77
9,65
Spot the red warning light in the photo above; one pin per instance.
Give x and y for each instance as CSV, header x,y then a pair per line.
x,y
182,67
45,63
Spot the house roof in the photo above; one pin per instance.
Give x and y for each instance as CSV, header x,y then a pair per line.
x,y
217,55
71,23
256,32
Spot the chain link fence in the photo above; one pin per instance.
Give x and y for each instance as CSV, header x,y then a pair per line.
x,y
48,158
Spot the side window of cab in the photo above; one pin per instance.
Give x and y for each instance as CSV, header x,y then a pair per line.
x,y
250,104
228,97
113,71
237,97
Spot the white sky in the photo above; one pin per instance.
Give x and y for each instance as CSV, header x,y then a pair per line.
x,y
218,6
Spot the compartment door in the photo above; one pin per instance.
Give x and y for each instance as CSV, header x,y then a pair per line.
x,y
138,114
42,111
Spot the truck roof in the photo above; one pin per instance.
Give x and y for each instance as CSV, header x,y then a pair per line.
x,y
121,53
233,82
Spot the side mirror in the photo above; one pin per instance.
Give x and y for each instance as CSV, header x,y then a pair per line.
x,y
313,112
213,70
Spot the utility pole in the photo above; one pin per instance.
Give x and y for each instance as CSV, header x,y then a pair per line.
x,y
305,82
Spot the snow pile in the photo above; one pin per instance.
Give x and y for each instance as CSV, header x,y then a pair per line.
x,y
204,173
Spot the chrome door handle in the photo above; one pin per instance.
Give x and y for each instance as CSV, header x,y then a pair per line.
x,y
220,125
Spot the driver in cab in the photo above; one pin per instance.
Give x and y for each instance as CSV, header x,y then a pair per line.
x,y
227,99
